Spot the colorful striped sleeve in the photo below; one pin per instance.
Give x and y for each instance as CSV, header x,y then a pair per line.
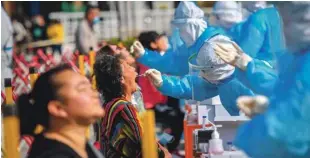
x,y
122,131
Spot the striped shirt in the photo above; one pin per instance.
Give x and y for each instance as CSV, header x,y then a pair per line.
x,y
121,130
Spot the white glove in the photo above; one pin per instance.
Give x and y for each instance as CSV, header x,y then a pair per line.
x,y
155,77
232,54
252,105
137,49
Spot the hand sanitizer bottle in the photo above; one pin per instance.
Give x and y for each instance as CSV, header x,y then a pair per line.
x,y
216,144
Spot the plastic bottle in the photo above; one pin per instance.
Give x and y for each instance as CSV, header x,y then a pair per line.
x,y
204,146
204,123
230,146
216,144
193,115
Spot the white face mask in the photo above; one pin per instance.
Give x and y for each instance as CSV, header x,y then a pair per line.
x,y
191,30
188,34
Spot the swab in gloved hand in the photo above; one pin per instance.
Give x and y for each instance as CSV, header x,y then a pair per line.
x,y
155,77
252,105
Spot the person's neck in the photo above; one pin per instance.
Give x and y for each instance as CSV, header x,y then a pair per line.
x,y
72,135
128,95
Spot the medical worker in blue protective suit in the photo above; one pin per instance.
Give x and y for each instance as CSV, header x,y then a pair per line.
x,y
283,131
261,37
216,77
174,61
227,14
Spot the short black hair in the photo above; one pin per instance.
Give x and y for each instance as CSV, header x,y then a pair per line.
x,y
146,38
88,8
108,72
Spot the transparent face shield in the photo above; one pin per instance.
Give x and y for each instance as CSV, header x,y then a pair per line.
x,y
204,106
175,40
195,71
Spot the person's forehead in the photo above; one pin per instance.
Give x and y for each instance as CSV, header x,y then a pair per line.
x,y
95,10
124,52
70,78
162,37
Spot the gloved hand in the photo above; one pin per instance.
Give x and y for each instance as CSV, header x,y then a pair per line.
x,y
252,105
137,49
155,77
232,55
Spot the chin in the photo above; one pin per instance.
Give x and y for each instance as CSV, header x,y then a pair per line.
x,y
135,87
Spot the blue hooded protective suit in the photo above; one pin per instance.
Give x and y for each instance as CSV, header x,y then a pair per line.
x,y
216,77
261,37
283,131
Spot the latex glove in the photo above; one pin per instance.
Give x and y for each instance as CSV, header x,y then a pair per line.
x,y
137,49
155,77
252,105
232,54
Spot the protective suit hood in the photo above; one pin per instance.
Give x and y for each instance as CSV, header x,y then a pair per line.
x,y
189,20
253,6
227,13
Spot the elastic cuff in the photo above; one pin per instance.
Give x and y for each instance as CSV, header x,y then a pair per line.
x,y
141,57
162,83
243,61
159,84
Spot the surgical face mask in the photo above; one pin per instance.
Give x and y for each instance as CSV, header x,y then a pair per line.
x,y
165,138
188,34
190,29
96,20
